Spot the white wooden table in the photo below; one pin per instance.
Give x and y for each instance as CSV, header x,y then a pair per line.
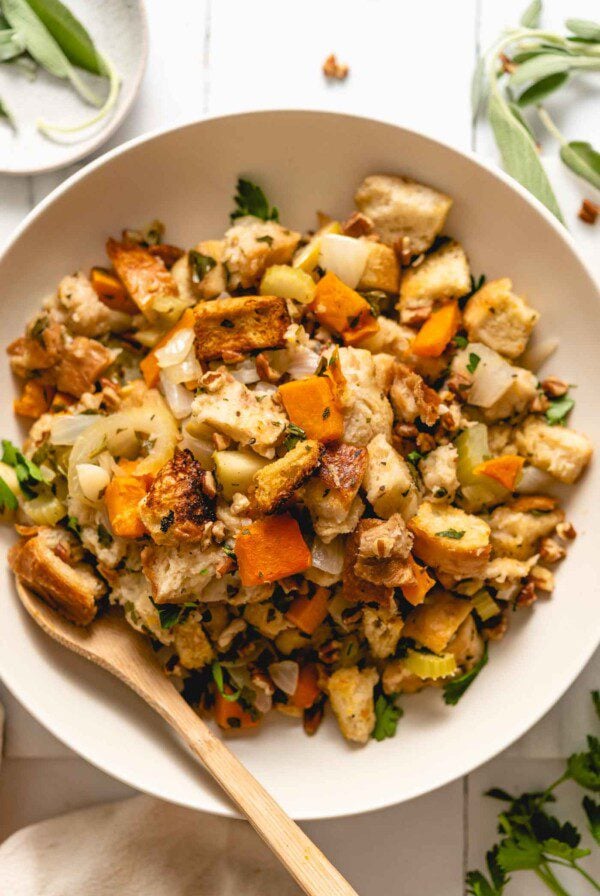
x,y
411,64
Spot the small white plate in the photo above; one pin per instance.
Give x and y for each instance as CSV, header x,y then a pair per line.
x,y
119,30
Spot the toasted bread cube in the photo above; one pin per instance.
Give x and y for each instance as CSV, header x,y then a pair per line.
x,y
497,317
382,270
190,641
252,246
467,645
562,452
176,507
400,207
72,590
433,623
243,324
518,527
356,589
450,540
521,391
275,483
388,483
331,496
382,630
367,410
145,277
351,695
81,364
181,572
441,276
439,472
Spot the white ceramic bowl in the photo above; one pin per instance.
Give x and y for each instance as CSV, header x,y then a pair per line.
x,y
307,161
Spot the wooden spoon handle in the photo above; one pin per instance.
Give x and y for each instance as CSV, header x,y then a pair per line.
x,y
305,862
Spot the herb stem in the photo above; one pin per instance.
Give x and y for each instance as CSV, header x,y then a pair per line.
x,y
549,125
545,874
587,876
564,777
114,83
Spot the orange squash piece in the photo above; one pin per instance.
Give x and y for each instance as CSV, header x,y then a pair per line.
x,y
122,496
307,613
505,469
343,310
436,332
415,593
111,291
271,549
230,714
312,404
149,366
35,399
307,689
366,329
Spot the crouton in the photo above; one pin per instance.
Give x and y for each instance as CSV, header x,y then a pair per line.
x,y
441,276
500,319
439,472
562,452
466,645
388,482
382,630
242,324
520,385
145,277
252,245
176,507
190,641
434,622
507,570
382,271
266,618
366,410
412,398
81,365
390,338
180,573
450,540
200,274
230,408
515,400
400,207
73,590
354,588
29,353
383,552
516,532
85,314
351,695
275,483
331,496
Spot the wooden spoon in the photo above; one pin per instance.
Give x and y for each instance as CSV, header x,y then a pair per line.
x,y
112,644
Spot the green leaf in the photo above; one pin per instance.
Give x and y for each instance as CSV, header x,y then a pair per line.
x,y
451,533
217,674
455,689
583,159
519,154
8,500
250,200
543,88
173,614
461,341
387,715
521,119
73,525
592,810
497,793
293,435
29,474
562,850
478,885
539,67
519,852
11,45
473,362
584,28
69,34
532,15
559,409
200,265
584,768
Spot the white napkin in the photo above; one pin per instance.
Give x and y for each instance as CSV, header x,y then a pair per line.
x,y
140,847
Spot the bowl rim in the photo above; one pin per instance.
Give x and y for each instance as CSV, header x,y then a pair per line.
x,y
579,662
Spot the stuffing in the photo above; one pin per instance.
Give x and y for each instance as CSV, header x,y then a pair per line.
x,y
438,471
354,588
383,552
390,338
450,540
396,679
266,618
130,590
442,275
72,588
366,410
388,482
433,623
229,407
197,277
516,398
500,319
181,573
382,630
516,528
562,452
382,271
332,495
82,363
177,507
412,399
84,314
145,277
276,482
189,640
351,695
474,382
500,439
239,325
400,207
466,645
37,351
251,246
506,570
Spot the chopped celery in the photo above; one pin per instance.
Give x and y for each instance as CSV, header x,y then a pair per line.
x,y
430,665
288,283
307,258
478,491
45,510
484,605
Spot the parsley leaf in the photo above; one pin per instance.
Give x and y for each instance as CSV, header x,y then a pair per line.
x,y
217,674
8,500
28,473
387,715
414,457
200,265
592,810
461,341
173,614
250,200
451,533
473,362
229,551
454,689
559,409
584,768
293,435
478,885
73,525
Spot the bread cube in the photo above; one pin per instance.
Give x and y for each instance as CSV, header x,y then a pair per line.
x,y
500,319
562,452
388,482
433,623
450,540
243,324
351,696
441,276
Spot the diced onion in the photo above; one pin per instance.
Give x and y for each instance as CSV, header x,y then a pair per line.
x,y
178,398
177,348
246,372
92,480
284,676
45,510
202,449
188,370
328,557
429,665
303,362
490,379
344,256
534,481
66,428
538,353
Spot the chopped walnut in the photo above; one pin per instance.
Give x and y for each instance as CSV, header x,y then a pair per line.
x,y
218,531
425,442
335,70
265,371
554,388
403,251
209,485
329,652
232,357
542,578
539,404
357,225
239,504
220,441
589,211
551,551
527,595
496,632
566,530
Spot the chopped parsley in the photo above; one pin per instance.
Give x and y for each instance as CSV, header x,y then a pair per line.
x,y
293,435
200,265
461,341
387,716
414,457
451,533
217,674
29,474
250,200
173,614
454,690
559,410
229,551
73,525
473,362
8,500
265,239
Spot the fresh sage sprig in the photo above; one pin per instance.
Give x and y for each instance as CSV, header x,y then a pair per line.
x,y
521,69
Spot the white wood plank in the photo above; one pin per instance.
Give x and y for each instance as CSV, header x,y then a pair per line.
x,y
409,62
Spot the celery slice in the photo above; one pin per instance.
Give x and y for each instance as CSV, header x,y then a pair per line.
x,y
430,665
484,605
288,283
478,491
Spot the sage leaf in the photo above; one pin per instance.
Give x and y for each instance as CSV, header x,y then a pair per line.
x,y
532,15
521,119
519,155
543,88
584,28
539,67
583,159
11,45
69,34
6,115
